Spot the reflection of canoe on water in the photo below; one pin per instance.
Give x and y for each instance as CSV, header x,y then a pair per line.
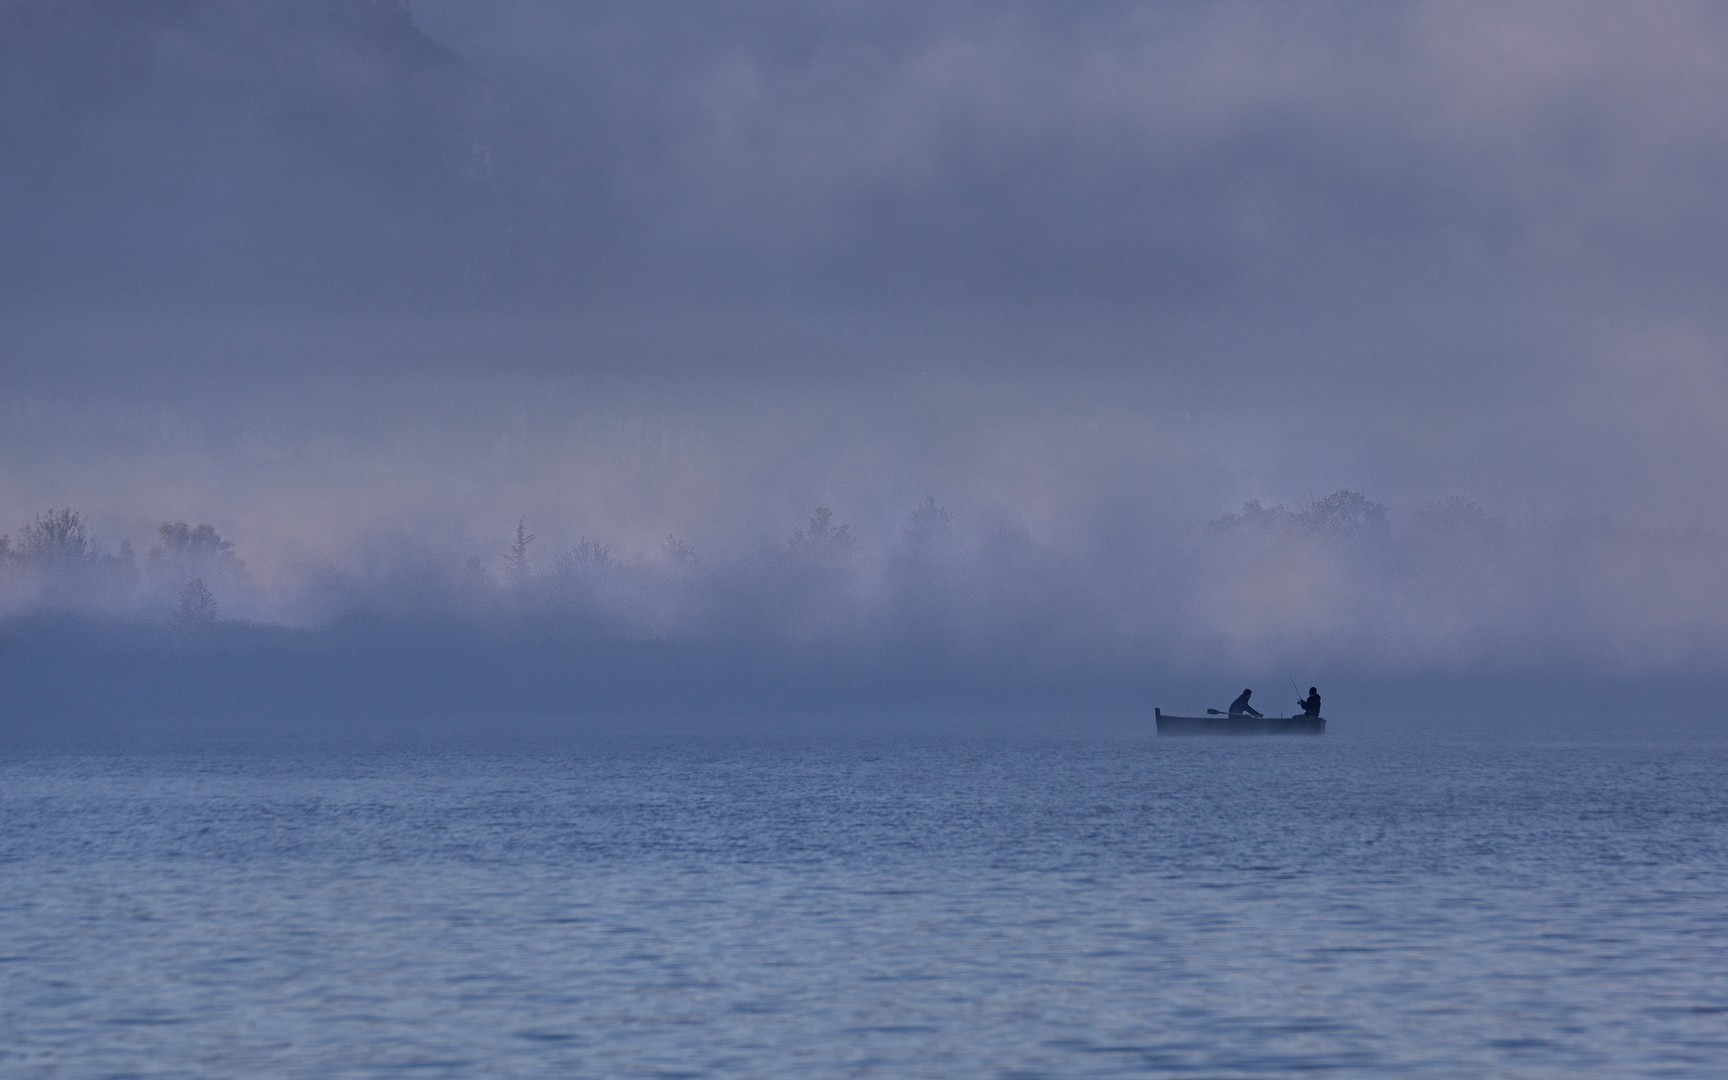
x,y
1239,725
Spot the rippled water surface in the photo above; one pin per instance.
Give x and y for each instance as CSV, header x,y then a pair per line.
x,y
1110,908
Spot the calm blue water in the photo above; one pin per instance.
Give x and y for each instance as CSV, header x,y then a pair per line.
x,y
1161,908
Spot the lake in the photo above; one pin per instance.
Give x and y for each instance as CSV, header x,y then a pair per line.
x,y
965,907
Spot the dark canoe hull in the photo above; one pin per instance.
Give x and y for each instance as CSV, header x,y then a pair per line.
x,y
1239,725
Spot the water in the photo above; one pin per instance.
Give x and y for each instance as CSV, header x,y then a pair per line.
x,y
1110,908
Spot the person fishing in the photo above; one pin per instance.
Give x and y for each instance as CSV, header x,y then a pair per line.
x,y
1240,706
1310,705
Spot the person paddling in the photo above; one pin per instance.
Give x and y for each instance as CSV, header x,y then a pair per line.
x,y
1310,705
1240,706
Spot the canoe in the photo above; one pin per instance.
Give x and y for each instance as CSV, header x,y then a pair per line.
x,y
1239,725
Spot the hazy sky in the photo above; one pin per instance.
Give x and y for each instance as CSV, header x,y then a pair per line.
x,y
628,268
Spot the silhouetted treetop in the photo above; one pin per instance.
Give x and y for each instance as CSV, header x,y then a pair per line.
x,y
678,552
1342,513
1345,511
1255,519
179,544
1453,518
516,559
931,527
821,538
56,536
197,605
584,557
476,582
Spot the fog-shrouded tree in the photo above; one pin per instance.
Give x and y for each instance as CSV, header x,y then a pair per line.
x,y
55,537
1453,520
1346,513
677,552
1267,577
584,559
517,567
1255,520
1341,515
822,539
184,551
477,584
932,591
818,596
10,591
59,563
931,528
197,605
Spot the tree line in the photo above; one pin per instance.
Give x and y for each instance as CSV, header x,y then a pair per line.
x,y
1446,582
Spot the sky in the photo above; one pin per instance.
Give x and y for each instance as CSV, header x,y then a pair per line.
x,y
1106,270
1439,247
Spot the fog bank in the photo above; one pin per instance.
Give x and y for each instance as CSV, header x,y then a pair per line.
x,y
1232,343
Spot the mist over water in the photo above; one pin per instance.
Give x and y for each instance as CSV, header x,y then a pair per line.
x,y
1135,294
645,539
957,613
